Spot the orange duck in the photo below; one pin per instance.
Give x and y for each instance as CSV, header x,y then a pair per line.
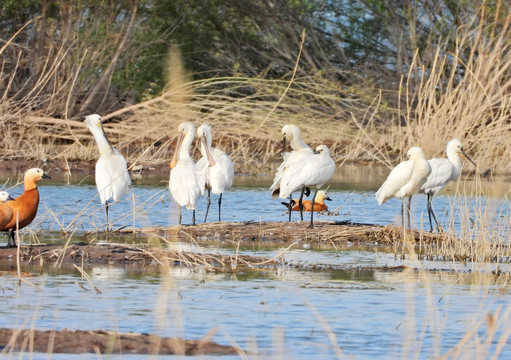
x,y
24,207
319,204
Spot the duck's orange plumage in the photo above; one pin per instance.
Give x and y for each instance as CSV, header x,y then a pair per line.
x,y
5,215
24,207
307,206
319,204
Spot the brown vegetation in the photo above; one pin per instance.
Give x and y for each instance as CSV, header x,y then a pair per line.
x,y
454,87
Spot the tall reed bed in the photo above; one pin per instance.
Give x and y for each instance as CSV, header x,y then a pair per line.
x,y
237,108
457,87
478,235
426,328
462,90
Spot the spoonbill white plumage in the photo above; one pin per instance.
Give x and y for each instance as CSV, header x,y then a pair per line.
x,y
300,149
214,171
183,182
4,196
442,172
311,170
405,180
5,211
112,178
24,207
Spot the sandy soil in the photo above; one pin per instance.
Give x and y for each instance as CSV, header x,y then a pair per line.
x,y
105,342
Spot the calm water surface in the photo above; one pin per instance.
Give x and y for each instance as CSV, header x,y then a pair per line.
x,y
279,312
371,313
76,206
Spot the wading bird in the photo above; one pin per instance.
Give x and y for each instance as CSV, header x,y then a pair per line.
x,y
312,170
214,171
4,196
5,210
112,178
300,149
319,204
405,180
442,172
183,182
24,207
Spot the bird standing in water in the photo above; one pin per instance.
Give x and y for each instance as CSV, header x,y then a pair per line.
x,y
23,209
112,178
442,172
405,180
183,181
214,171
311,170
292,134
5,210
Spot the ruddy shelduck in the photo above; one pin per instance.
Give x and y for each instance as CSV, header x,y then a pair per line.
x,y
24,207
183,184
214,171
442,172
405,180
319,204
112,178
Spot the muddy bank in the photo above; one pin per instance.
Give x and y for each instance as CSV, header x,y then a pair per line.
x,y
154,247
325,234
105,342
145,256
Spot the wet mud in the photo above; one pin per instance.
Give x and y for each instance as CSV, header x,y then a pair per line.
x,y
144,256
153,247
325,234
104,342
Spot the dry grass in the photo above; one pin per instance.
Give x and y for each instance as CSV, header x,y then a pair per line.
x,y
487,326
482,236
463,92
235,107
348,120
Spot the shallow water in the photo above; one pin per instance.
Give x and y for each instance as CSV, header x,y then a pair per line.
x,y
371,313
278,311
76,206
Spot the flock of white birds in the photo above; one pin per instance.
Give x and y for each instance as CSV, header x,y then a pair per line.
x,y
301,170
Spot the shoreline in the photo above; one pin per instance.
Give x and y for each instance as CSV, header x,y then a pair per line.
x,y
153,247
64,341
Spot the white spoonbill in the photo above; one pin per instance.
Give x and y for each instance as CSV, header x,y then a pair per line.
x,y
405,180
112,178
214,171
6,215
4,196
183,182
442,172
300,149
311,170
